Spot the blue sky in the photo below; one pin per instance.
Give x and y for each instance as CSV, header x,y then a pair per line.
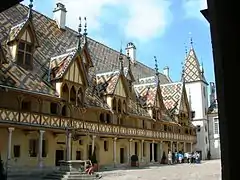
x,y
159,28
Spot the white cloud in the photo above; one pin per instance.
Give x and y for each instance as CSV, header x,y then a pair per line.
x,y
144,19
147,19
192,8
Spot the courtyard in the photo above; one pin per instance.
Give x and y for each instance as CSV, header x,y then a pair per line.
x,y
208,170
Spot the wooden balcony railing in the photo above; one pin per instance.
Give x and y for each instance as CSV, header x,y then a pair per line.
x,y
35,119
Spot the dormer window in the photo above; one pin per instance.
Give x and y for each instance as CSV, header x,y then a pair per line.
x,y
24,54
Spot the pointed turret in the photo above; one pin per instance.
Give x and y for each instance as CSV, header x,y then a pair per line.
x,y
192,68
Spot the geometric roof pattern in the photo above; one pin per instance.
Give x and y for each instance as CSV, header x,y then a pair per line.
x,y
192,70
172,95
147,94
53,54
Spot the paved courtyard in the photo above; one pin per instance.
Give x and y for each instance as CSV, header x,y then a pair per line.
x,y
208,170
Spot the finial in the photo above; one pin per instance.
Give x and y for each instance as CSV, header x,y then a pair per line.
x,y
185,49
191,39
156,66
202,69
31,4
121,58
30,9
79,33
85,27
183,72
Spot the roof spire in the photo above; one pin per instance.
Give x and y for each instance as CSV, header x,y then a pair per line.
x,y
191,40
121,59
79,34
156,66
202,69
183,72
30,9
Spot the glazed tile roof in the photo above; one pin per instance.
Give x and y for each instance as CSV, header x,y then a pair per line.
x,y
136,109
147,93
107,82
52,43
192,70
172,94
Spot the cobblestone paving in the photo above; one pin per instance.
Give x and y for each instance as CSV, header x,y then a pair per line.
x,y
208,170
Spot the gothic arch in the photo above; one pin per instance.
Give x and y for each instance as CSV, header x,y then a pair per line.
x,y
65,92
119,106
114,104
73,95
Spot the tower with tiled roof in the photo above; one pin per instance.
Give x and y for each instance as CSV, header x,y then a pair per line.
x,y
196,86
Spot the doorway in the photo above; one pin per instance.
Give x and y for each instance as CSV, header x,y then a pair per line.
x,y
59,155
121,155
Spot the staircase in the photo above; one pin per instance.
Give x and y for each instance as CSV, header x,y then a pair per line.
x,y
73,175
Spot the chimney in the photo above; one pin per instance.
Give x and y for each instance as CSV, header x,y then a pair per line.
x,y
59,15
166,71
131,49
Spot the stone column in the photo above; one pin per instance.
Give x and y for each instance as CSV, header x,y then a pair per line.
x,y
191,148
130,150
160,150
40,147
153,152
177,146
115,151
93,144
171,146
9,152
142,149
68,145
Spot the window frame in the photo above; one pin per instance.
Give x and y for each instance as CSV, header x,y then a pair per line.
x,y
25,52
215,121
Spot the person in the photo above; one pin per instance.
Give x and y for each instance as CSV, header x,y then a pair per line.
x,y
89,169
170,157
180,157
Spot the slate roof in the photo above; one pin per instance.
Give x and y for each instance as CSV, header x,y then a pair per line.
x,y
172,94
192,70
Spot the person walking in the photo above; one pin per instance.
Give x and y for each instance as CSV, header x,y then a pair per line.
x,y
169,158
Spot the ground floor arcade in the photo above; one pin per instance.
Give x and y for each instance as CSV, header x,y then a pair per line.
x,y
31,146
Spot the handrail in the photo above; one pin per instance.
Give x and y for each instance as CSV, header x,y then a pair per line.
x,y
47,120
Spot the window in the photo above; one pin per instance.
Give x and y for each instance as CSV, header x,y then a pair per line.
x,y
206,140
119,106
105,144
165,127
216,126
64,111
24,54
26,105
198,128
16,151
193,114
204,93
114,104
53,108
33,148
143,124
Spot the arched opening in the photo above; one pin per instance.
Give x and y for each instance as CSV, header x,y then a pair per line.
x,y
119,106
64,111
114,104
80,97
124,107
65,92
102,118
108,119
154,113
73,95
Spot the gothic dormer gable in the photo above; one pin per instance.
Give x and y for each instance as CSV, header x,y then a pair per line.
x,y
69,67
23,41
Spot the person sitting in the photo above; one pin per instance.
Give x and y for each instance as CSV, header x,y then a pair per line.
x,y
89,169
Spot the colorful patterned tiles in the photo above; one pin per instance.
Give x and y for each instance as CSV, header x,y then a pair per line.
x,y
172,94
15,30
192,71
147,93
